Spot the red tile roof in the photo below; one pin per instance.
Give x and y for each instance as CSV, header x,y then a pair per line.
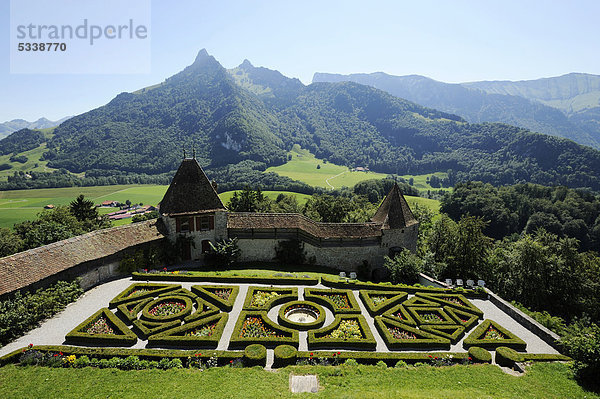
x,y
25,268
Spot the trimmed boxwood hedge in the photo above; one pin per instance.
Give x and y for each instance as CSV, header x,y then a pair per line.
x,y
453,333
284,355
129,311
203,291
147,328
123,335
479,355
393,298
507,357
317,338
203,309
545,357
468,306
255,355
458,315
176,336
154,290
417,310
147,316
285,295
475,338
424,340
225,279
390,358
411,289
418,301
180,292
289,337
406,317
224,357
284,321
320,296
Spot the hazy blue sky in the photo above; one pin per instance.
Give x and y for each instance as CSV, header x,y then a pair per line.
x,y
451,41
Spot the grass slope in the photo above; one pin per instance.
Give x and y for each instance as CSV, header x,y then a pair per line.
x,y
477,381
303,167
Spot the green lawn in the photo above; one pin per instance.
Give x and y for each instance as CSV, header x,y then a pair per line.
x,y
303,167
477,381
420,181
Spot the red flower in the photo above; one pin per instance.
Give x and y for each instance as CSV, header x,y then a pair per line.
x,y
334,355
430,356
470,358
339,353
30,345
60,353
311,354
231,361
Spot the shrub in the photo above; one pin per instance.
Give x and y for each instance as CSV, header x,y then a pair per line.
x,y
285,355
81,361
255,355
224,252
480,355
23,312
401,364
404,267
582,343
290,252
507,357
381,364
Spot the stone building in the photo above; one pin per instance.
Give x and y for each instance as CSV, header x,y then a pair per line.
x,y
191,208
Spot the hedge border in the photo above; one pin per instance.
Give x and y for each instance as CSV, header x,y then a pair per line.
x,y
374,309
479,355
474,339
310,295
408,318
284,355
270,342
414,301
160,289
390,358
284,321
105,353
167,338
469,308
545,357
429,341
130,316
414,311
366,343
507,357
180,292
147,328
189,307
203,309
411,289
225,279
453,337
255,355
287,295
471,321
125,338
225,306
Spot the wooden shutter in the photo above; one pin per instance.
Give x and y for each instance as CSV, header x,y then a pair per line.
x,y
178,225
211,222
198,224
191,223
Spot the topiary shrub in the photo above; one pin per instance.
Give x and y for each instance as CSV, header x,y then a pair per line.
x,y
480,355
255,355
285,355
507,357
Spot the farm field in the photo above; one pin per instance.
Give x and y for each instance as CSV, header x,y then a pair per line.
x,y
19,205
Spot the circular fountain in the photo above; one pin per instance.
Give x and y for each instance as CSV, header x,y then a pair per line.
x,y
301,315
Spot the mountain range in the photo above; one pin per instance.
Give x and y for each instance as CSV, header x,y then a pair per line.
x,y
566,106
248,117
8,127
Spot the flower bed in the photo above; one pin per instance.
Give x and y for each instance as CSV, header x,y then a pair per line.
x,y
399,313
378,302
254,327
402,336
491,335
453,333
348,331
129,311
203,333
167,309
222,296
338,301
430,315
141,290
465,319
261,298
102,328
456,301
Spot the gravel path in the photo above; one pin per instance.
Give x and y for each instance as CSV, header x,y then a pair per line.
x,y
53,331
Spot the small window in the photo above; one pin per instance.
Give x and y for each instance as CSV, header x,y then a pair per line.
x,y
205,246
185,225
204,223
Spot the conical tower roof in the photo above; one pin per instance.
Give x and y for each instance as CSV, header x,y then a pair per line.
x,y
190,191
394,212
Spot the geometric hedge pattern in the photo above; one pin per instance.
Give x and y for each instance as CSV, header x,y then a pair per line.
x,y
167,315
